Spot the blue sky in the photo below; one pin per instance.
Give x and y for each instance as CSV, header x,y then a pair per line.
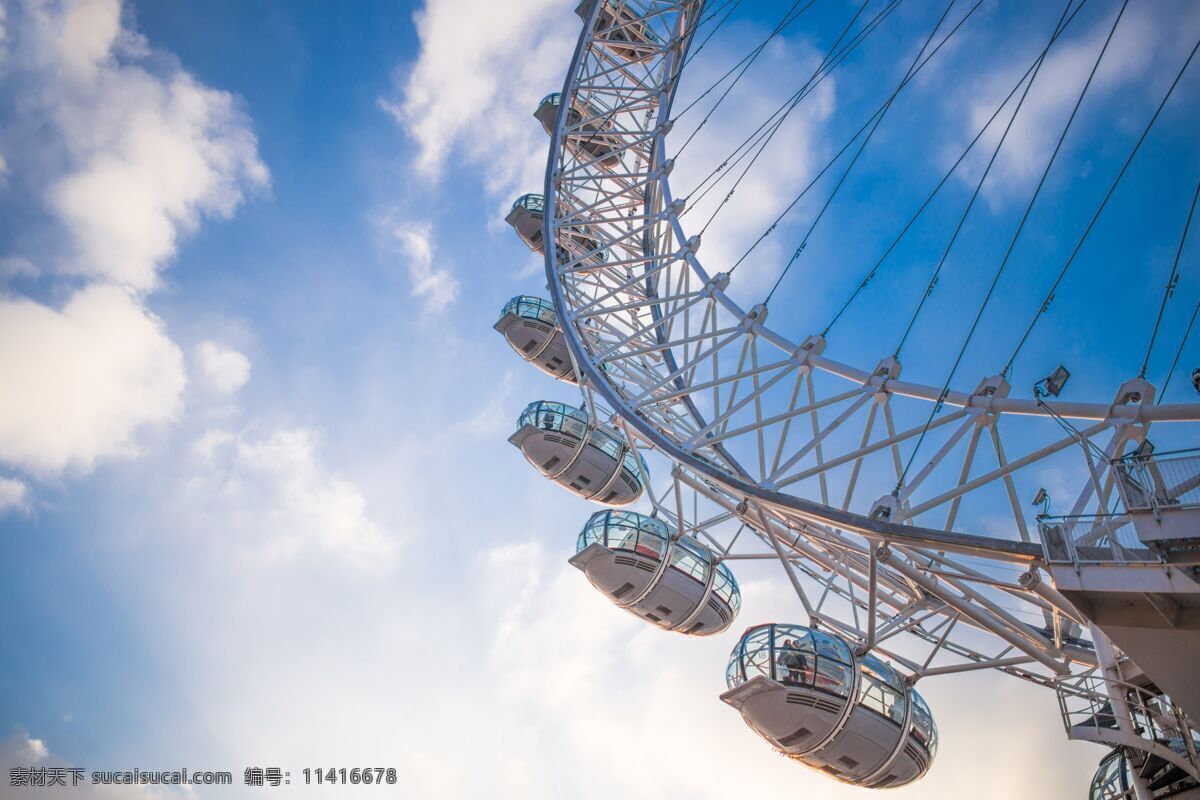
x,y
256,503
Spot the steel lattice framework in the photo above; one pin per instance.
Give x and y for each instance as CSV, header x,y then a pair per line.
x,y
778,450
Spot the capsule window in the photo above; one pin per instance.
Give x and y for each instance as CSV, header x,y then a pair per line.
x,y
642,542
881,690
924,729
605,443
689,564
793,655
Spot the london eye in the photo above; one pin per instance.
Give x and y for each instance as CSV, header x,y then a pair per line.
x,y
720,410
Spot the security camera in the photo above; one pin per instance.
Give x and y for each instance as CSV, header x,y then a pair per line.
x,y
1196,379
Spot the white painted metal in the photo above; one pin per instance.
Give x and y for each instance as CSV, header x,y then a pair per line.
x,y
663,353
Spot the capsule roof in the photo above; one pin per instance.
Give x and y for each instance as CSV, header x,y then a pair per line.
x,y
531,307
758,653
551,415
531,202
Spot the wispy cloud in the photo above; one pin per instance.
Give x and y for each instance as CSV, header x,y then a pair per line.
x,y
436,286
223,369
282,501
14,496
785,166
481,69
20,749
1149,45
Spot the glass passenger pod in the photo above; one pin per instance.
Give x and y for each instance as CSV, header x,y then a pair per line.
x,y
1113,779
677,584
854,718
526,216
530,325
590,133
625,32
589,460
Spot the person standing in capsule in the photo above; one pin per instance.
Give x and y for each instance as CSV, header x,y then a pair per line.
x,y
792,659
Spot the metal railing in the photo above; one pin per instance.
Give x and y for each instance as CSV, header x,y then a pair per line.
x,y
1088,710
1093,539
1153,482
1146,483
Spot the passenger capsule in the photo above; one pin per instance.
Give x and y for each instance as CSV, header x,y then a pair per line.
x,y
589,132
526,217
623,30
592,461
674,582
805,692
1113,779
531,327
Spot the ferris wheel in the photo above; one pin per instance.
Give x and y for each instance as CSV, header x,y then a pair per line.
x,y
740,440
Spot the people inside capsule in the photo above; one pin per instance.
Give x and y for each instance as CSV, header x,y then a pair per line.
x,y
624,30
588,459
791,658
808,695
588,132
672,581
526,217
530,325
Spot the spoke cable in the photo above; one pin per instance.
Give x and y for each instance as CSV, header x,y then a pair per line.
x,y
1017,234
1096,216
744,64
759,139
803,192
832,59
1172,282
978,188
874,270
863,146
1178,352
713,32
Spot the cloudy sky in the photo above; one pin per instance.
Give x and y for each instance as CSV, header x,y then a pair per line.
x,y
256,503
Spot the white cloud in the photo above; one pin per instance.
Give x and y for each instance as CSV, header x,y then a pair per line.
x,y
437,287
283,501
21,747
81,380
785,167
145,155
14,495
453,101
130,153
1147,41
481,70
22,750
224,369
